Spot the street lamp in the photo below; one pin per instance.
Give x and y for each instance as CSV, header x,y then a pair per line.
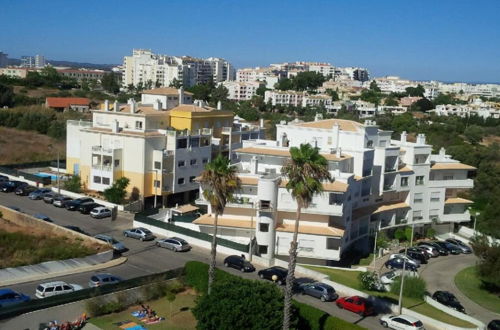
x,y
51,148
375,247
156,186
400,302
252,232
475,219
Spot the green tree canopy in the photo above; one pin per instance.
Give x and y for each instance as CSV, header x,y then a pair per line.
x,y
110,83
333,94
117,192
374,87
422,105
489,262
74,184
6,96
415,91
220,93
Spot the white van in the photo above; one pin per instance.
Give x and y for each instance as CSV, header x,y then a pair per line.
x,y
55,288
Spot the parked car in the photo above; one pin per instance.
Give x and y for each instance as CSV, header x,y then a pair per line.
x,y
319,290
12,185
60,201
117,246
356,304
410,260
494,325
389,277
140,233
464,247
100,212
452,248
402,321
173,243
397,263
103,279
77,229
421,257
85,208
442,251
50,289
279,274
239,263
4,178
39,193
10,297
25,190
49,197
448,299
74,204
43,217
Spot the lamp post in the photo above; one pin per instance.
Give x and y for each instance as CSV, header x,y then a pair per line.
x,y
156,186
400,302
58,178
475,219
252,233
375,247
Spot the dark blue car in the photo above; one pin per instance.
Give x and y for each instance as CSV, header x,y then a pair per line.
x,y
9,297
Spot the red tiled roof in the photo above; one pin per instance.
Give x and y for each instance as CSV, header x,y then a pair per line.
x,y
65,102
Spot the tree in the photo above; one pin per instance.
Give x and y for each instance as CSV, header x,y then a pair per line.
x,y
261,90
50,76
247,112
391,101
219,94
374,87
488,266
110,83
333,94
474,134
219,181
422,105
175,83
6,96
74,184
201,91
370,95
415,91
236,303
414,287
116,193
284,84
305,171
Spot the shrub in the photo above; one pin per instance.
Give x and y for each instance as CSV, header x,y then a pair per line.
x,y
399,234
414,287
154,291
369,281
314,319
196,275
74,184
116,193
430,233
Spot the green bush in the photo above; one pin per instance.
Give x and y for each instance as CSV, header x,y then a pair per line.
x,y
311,318
74,184
97,306
430,233
414,287
154,291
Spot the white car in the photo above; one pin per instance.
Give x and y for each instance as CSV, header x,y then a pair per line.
x,y
414,262
50,289
389,277
100,212
403,322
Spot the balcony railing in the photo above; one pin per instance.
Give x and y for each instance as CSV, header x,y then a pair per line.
x,y
102,168
389,187
464,183
102,150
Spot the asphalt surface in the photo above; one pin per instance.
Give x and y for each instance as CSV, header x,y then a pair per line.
x,y
144,257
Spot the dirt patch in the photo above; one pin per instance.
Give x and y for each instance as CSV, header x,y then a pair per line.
x,y
38,92
490,139
17,146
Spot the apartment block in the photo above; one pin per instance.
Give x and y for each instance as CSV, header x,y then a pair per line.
x,y
377,183
4,61
242,91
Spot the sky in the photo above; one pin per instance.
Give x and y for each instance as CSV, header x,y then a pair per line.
x,y
447,40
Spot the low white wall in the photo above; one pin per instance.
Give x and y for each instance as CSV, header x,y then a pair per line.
x,y
21,178
466,234
77,195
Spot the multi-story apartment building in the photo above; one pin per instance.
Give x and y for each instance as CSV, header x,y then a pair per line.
x,y
4,61
144,67
270,76
378,184
287,98
82,74
37,61
351,73
476,108
242,91
394,84
15,72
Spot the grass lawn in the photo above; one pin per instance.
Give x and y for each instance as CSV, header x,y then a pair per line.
x,y
365,261
469,283
181,318
350,279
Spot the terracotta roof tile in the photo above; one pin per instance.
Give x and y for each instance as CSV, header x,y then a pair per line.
x,y
65,102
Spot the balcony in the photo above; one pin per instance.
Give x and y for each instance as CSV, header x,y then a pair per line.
x,y
102,168
456,217
101,150
464,184
389,187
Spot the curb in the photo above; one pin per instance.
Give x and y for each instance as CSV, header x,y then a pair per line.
x,y
111,263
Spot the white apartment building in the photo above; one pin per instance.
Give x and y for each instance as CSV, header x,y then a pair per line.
x,y
476,108
394,84
146,67
4,61
487,90
377,183
270,76
394,109
286,98
37,61
242,91
362,108
351,73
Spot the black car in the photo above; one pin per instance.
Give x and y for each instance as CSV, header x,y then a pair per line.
x,y
464,247
494,325
25,190
397,263
75,204
417,256
276,274
416,250
4,178
85,208
442,251
451,248
239,262
448,299
77,229
11,186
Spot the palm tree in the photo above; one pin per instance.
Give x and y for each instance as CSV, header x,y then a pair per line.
x,y
305,171
219,181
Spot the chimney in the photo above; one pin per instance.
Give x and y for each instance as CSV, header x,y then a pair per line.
x,y
261,123
106,105
403,137
116,106
116,127
318,117
157,105
421,138
339,152
133,105
219,105
254,165
181,95
336,135
442,152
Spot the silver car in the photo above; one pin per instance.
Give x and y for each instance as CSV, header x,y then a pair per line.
x,y
103,279
38,194
174,243
140,233
100,212
61,201
117,246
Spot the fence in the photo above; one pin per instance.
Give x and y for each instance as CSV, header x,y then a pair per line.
x,y
16,170
140,217
37,304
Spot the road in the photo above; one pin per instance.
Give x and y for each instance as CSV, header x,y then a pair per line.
x,y
143,257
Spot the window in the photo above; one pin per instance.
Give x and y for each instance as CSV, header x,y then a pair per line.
x,y
105,180
181,163
97,179
336,199
420,159
419,180
447,177
181,143
369,144
404,181
117,162
180,181
265,204
264,227
157,165
192,178
194,142
193,161
205,160
435,196
138,125
262,249
417,215
333,243
418,198
157,184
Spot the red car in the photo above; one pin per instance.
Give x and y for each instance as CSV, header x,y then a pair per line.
x,y
356,304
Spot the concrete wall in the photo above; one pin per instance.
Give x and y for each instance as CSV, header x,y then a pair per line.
x,y
76,195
